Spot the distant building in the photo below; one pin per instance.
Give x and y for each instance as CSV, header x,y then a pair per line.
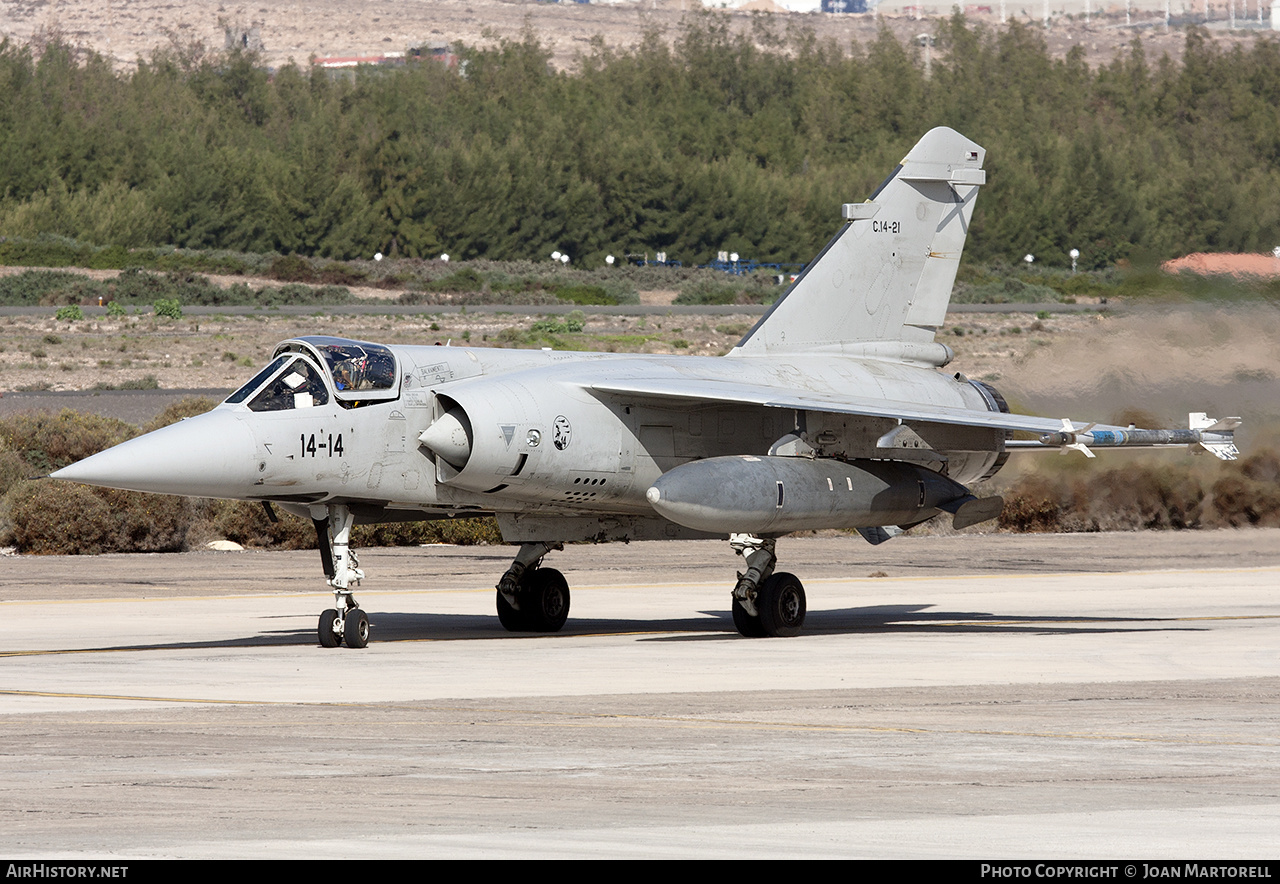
x,y
437,51
337,62
441,53
1223,263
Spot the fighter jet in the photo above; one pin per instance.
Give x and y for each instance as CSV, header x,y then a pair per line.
x,y
834,411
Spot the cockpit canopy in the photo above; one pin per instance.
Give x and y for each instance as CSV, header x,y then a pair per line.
x,y
359,373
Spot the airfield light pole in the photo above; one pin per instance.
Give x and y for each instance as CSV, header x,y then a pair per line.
x,y
1074,253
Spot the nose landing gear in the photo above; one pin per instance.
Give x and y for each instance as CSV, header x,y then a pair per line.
x,y
345,621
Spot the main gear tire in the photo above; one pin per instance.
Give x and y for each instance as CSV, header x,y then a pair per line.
x,y
356,631
512,620
544,599
782,605
747,626
329,636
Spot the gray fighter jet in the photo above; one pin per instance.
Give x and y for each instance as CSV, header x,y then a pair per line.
x,y
832,412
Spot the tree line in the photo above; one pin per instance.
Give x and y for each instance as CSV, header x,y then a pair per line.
x,y
715,141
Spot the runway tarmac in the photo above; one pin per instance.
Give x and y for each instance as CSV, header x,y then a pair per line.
x,y
1061,696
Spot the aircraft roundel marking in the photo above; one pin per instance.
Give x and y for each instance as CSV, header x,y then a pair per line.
x,y
561,432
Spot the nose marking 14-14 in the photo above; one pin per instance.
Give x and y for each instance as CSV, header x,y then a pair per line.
x,y
329,445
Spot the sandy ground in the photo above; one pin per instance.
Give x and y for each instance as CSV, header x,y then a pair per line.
x,y
297,31
40,352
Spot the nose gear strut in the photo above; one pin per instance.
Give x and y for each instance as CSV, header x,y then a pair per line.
x,y
345,621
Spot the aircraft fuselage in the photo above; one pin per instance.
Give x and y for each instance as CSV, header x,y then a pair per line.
x,y
543,441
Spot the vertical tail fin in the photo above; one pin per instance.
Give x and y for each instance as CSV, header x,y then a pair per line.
x,y
886,276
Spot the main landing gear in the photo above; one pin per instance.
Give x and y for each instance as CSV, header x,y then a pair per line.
x,y
531,598
766,604
345,621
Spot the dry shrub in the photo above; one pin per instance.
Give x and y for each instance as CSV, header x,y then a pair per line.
x,y
1241,501
50,441
463,532
1140,497
1033,505
12,469
1128,499
1148,496
1262,467
1251,497
183,408
60,518
247,524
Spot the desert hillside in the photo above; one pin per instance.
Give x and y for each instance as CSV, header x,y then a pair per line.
x,y
297,31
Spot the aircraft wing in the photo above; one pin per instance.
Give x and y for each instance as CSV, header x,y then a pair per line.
x,y
732,392
1212,435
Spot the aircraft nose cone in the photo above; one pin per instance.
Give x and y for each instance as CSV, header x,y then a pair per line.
x,y
212,455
